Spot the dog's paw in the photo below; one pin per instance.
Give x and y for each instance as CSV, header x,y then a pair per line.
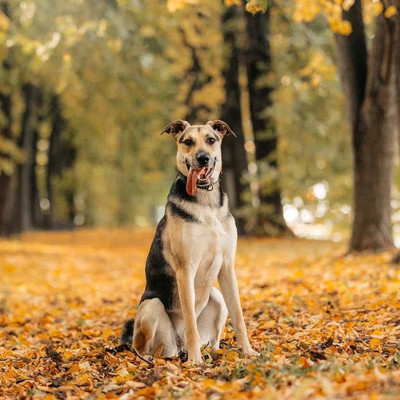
x,y
249,352
194,358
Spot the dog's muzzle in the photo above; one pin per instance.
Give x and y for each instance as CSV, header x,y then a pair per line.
x,y
205,183
200,178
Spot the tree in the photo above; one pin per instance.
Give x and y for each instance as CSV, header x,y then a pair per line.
x,y
22,210
6,166
370,92
314,137
102,63
368,79
7,145
233,150
269,215
248,48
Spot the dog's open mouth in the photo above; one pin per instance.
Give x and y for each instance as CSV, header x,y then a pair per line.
x,y
198,178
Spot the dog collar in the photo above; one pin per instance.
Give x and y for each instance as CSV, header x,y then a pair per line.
x,y
209,186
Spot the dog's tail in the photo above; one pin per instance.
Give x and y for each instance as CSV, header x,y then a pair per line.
x,y
127,332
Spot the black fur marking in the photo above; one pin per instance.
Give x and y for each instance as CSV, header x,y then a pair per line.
x,y
159,282
221,195
183,355
181,213
182,138
214,136
178,189
127,332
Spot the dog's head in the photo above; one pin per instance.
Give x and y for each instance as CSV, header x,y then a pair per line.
x,y
199,151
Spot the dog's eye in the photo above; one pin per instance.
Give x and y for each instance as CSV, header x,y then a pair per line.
x,y
188,142
210,140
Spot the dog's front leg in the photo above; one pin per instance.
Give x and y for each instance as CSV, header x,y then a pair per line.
x,y
185,282
229,288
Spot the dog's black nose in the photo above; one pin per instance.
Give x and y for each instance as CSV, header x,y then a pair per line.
x,y
202,158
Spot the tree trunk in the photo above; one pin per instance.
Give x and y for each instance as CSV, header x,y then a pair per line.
x,y
5,178
396,259
397,66
22,220
198,79
353,58
269,219
61,156
233,151
55,164
6,134
370,92
35,211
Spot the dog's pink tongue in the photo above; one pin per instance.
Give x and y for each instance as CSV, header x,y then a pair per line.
x,y
191,184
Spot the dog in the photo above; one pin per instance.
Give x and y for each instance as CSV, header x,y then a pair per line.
x,y
194,245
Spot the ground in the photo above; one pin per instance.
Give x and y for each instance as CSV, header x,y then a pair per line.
x,y
327,325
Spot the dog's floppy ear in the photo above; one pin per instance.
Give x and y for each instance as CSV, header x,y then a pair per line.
x,y
175,127
221,127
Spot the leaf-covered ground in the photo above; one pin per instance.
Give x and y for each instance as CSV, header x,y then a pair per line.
x,y
327,326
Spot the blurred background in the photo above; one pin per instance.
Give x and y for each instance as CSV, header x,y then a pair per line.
x,y
86,87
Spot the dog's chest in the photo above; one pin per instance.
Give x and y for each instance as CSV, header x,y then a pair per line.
x,y
214,224
208,244
213,236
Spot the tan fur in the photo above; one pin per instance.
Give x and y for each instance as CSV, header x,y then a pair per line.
x,y
199,254
199,134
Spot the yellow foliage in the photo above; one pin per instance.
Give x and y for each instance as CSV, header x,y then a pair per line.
x,y
377,8
308,10
374,343
230,3
253,7
317,70
390,11
175,5
208,95
199,62
340,26
4,22
347,4
326,324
